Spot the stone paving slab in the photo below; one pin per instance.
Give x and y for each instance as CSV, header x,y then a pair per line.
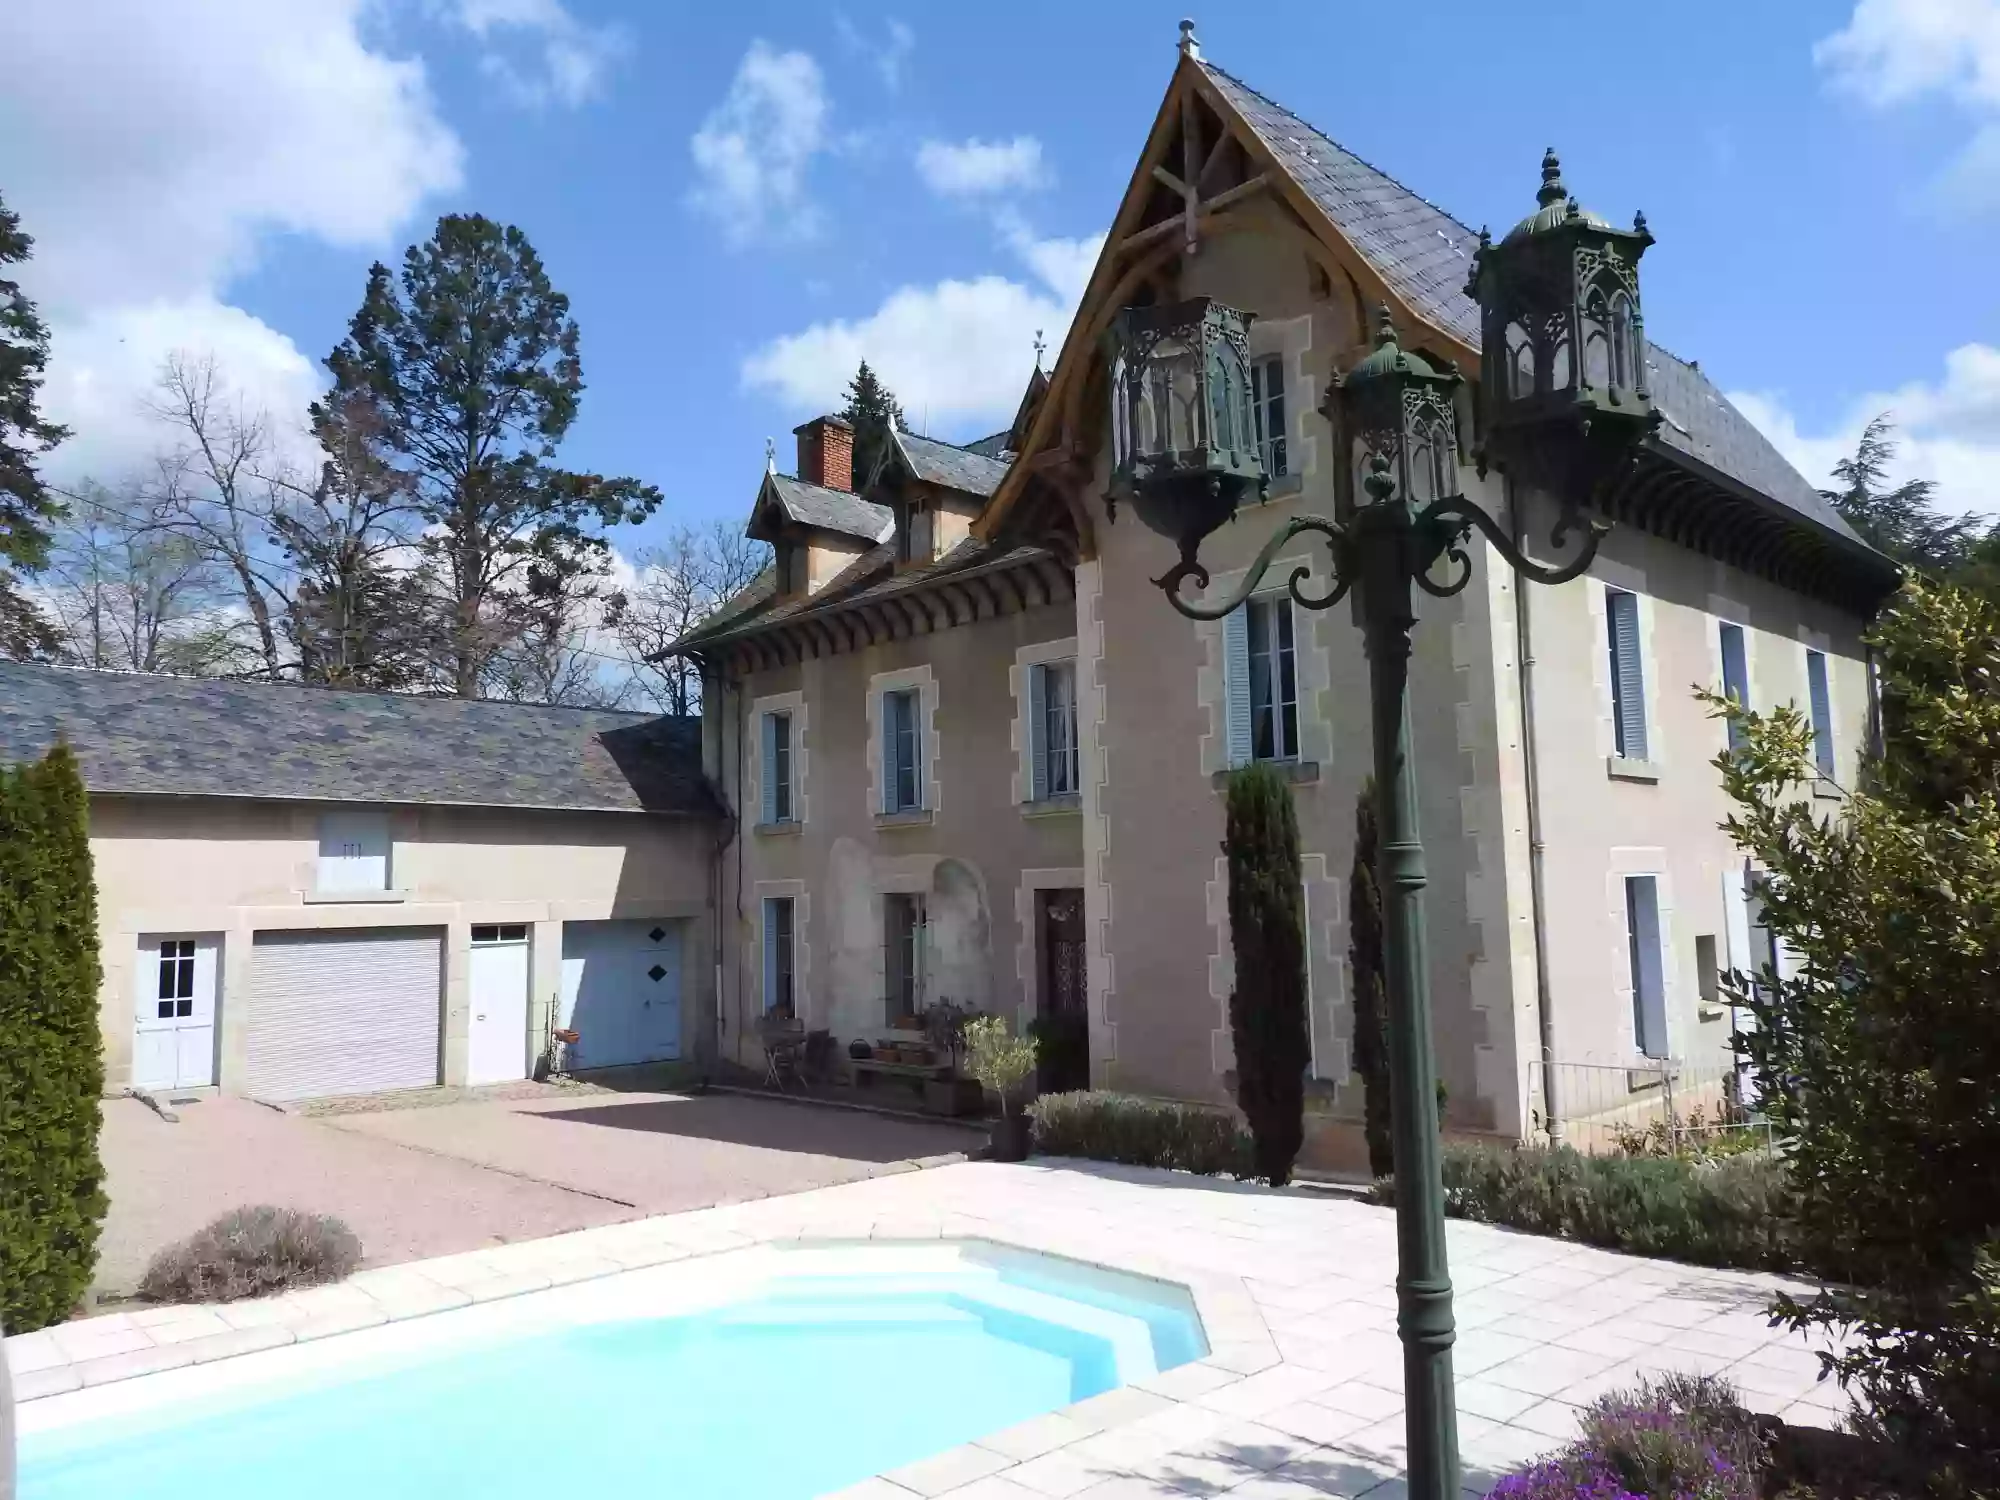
x,y
1300,1395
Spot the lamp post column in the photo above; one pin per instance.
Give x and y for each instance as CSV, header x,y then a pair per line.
x,y
1389,552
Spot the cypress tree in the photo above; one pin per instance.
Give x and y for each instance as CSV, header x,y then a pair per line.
x,y
872,411
1371,998
1267,1010
51,1064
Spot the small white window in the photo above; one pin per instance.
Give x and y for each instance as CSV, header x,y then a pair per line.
x,y
1628,678
902,752
353,852
779,803
1052,728
1822,712
1267,402
1261,681
1649,980
779,940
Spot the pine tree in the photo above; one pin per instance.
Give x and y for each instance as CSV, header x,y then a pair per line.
x,y
1371,1000
872,411
1903,522
26,507
1268,1020
51,1068
470,361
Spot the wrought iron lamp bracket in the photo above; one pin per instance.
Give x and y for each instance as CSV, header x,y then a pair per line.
x,y
1465,517
1339,543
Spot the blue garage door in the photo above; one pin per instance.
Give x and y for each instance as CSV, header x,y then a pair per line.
x,y
621,992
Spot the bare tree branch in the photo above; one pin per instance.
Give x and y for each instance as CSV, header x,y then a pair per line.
x,y
681,584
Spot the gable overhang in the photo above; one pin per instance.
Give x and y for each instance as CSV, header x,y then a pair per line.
x,y
1057,449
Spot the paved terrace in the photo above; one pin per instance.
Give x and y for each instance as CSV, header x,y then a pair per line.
x,y
1298,1399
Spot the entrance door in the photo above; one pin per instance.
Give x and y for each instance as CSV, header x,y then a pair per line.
x,y
1062,1022
173,1043
621,992
497,1048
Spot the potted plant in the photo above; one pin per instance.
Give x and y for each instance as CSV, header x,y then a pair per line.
x,y
1002,1062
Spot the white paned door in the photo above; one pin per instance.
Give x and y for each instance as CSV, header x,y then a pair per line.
x,y
497,1049
173,1041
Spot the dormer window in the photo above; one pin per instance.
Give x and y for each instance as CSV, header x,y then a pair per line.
x,y
914,536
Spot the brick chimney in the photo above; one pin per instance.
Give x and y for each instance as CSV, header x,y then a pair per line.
x,y
826,453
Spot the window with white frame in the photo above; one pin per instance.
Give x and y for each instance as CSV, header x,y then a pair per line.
x,y
1261,681
1052,728
1648,964
780,797
1822,712
1628,677
353,853
1735,675
903,926
902,751
1267,402
780,947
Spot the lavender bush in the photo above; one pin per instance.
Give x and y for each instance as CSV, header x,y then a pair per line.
x,y
1679,1437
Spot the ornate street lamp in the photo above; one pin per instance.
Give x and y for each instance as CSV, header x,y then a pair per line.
x,y
1562,281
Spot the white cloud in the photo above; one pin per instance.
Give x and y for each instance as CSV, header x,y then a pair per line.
x,y
956,353
976,168
1947,430
150,170
571,60
888,55
1895,52
752,153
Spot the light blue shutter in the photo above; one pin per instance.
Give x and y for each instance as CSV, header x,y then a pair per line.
x,y
1649,987
1735,678
1822,712
1628,682
913,716
888,719
770,950
1038,730
768,764
1236,684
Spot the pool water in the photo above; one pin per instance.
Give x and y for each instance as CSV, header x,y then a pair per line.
x,y
812,1383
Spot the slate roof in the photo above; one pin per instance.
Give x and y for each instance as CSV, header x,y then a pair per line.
x,y
1424,254
993,446
831,510
872,575
205,737
962,469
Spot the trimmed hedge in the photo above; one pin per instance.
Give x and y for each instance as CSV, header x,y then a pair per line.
x,y
1730,1211
51,1063
1143,1133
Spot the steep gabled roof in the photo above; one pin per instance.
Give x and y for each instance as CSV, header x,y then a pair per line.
x,y
952,467
823,509
138,733
1424,255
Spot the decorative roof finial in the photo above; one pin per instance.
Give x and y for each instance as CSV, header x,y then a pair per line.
x,y
1190,44
1639,222
1385,328
1040,349
770,456
1552,182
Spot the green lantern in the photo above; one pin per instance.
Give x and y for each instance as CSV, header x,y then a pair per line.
x,y
1563,342
1395,405
1183,436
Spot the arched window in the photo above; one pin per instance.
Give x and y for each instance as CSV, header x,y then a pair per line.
x,y
1520,362
1444,462
1558,376
1596,342
1624,353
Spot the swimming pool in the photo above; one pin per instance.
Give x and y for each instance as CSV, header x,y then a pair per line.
x,y
764,1374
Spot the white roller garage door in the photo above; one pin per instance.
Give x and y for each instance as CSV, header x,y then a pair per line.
x,y
344,1012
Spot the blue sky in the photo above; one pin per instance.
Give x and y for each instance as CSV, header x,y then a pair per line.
x,y
740,198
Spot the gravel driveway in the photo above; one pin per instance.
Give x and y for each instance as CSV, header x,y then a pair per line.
x,y
422,1182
